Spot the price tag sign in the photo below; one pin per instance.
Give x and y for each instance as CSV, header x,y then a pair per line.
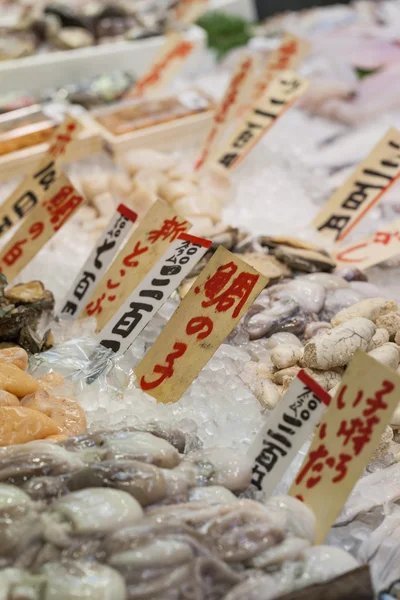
x,y
287,57
98,262
281,94
39,226
188,11
371,250
288,426
218,299
160,226
362,190
169,60
147,299
43,181
226,108
343,444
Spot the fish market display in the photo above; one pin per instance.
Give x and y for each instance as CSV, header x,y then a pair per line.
x,y
147,514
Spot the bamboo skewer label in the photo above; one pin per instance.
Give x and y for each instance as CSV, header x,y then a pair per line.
x,y
371,250
288,426
43,181
218,299
159,227
280,95
39,226
343,444
167,63
152,292
226,108
363,189
99,260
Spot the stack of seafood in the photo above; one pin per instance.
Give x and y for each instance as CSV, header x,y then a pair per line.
x,y
135,514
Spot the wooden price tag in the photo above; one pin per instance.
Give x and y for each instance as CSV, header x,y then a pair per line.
x,y
99,260
167,63
152,292
226,108
218,299
188,11
43,181
288,426
279,96
287,57
362,190
39,226
346,439
371,250
159,227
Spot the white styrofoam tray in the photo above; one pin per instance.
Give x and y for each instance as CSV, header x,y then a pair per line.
x,y
37,73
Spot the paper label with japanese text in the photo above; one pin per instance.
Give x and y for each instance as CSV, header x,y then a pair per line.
x,y
44,179
39,226
280,95
167,63
226,108
288,426
160,226
363,189
218,299
98,262
188,11
286,57
152,292
344,442
371,250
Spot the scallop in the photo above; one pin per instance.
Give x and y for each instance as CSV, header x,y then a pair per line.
x,y
63,410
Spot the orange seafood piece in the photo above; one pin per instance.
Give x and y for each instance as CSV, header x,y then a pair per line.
x,y
7,399
15,381
16,356
64,411
19,425
50,381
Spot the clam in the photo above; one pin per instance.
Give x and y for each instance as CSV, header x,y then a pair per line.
x,y
310,261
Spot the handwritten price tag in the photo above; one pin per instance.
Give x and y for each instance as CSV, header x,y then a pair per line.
x,y
188,11
147,299
346,439
218,299
99,260
288,426
160,226
226,108
371,250
39,226
33,188
362,190
280,95
169,60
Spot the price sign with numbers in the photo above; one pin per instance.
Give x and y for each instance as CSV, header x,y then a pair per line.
x,y
218,299
32,189
159,227
346,439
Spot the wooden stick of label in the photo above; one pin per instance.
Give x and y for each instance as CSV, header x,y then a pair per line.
x,y
99,260
167,63
188,11
39,227
363,189
152,292
371,250
159,227
286,57
226,108
288,426
280,95
346,439
218,299
42,182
